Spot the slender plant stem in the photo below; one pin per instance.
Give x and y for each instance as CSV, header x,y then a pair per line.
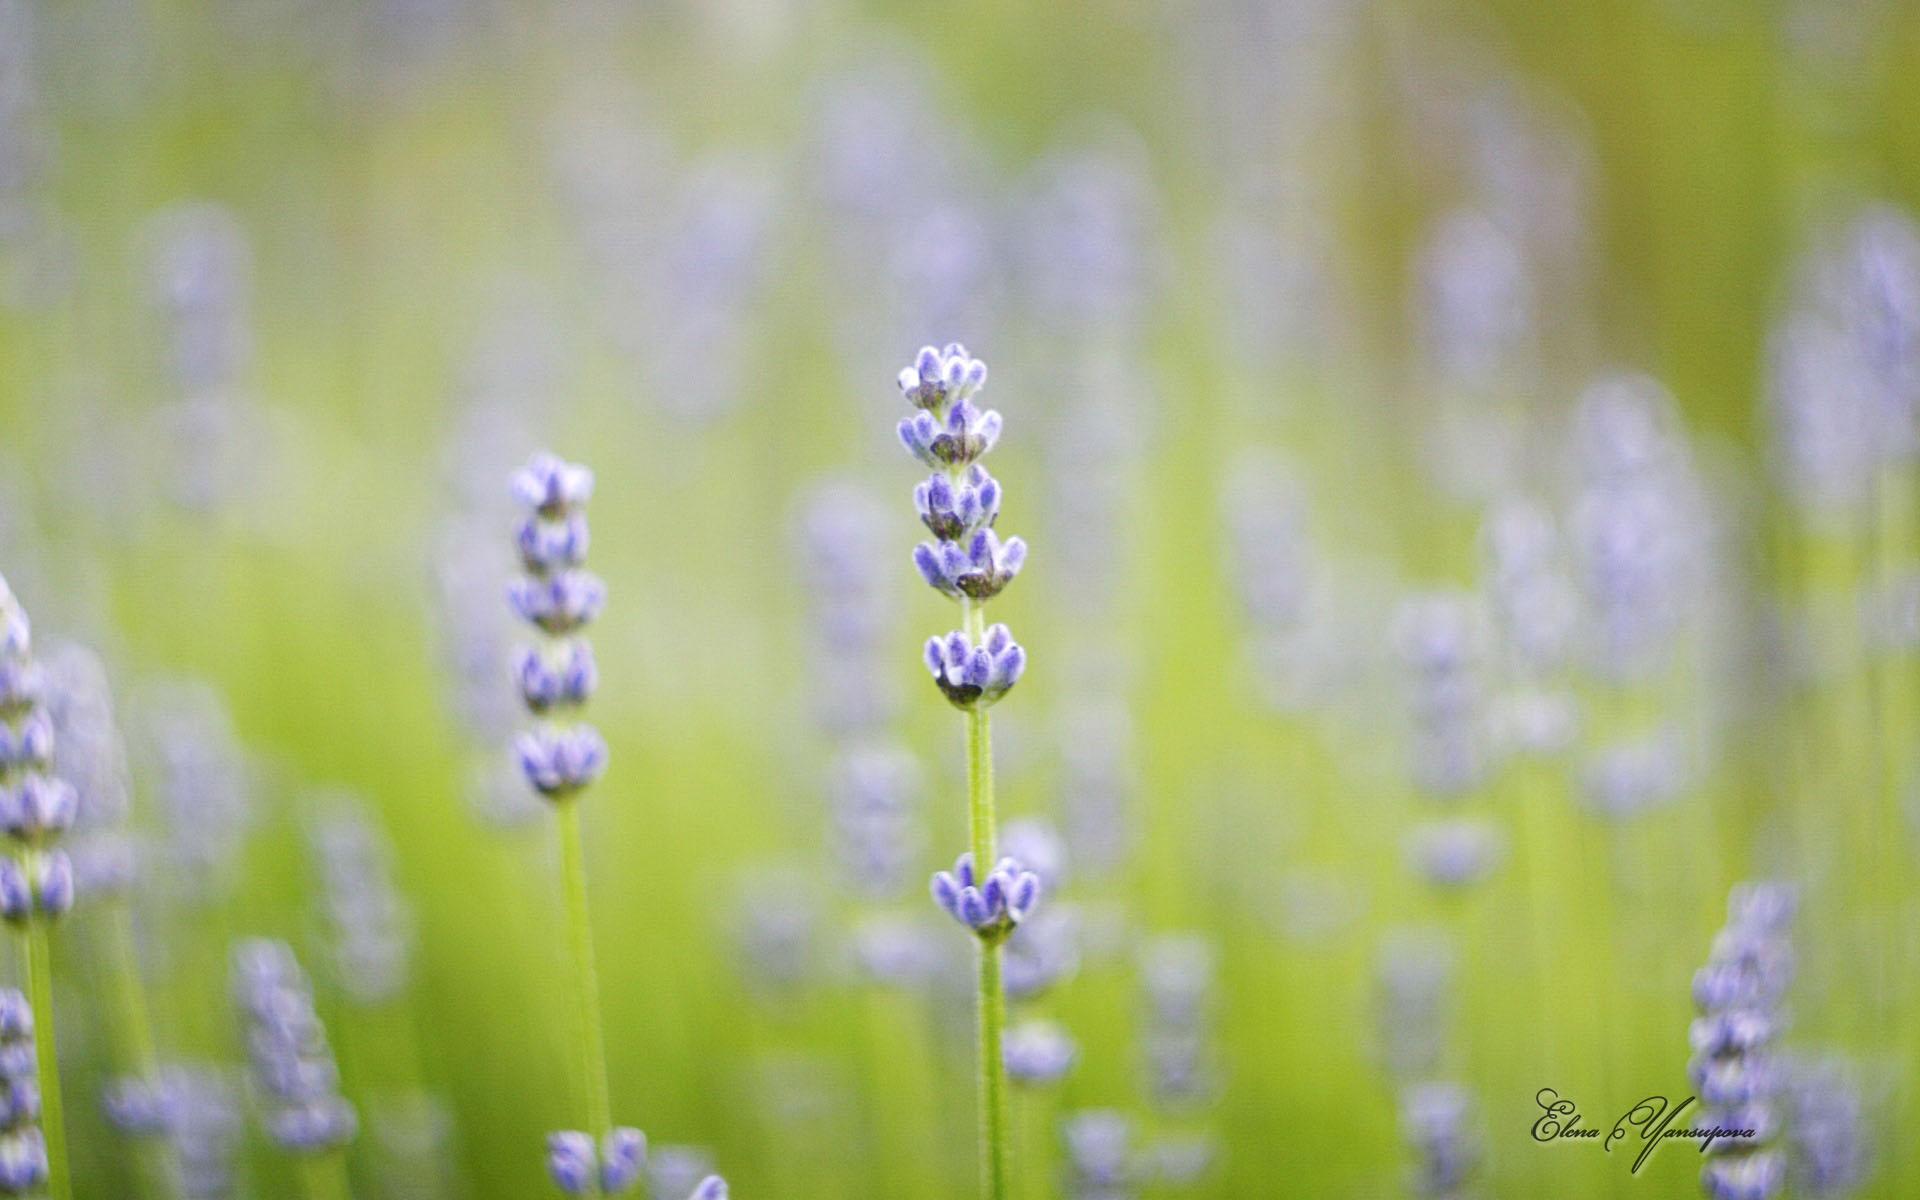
x,y
593,1048
993,996
37,967
324,1176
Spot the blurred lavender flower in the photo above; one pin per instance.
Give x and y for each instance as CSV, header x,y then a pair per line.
x,y
93,762
1638,525
201,269
1102,1163
1043,951
1438,1122
712,266
1475,301
201,278
875,799
1039,1053
897,951
1280,578
1844,392
892,172
369,924
1090,256
993,906
1178,972
1633,776
201,779
1097,782
1756,1176
840,536
23,1150
37,807
201,1113
1534,602
294,1072
1440,637
1457,852
1738,1079
776,926
1828,1124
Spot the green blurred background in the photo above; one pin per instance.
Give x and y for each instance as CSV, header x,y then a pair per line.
x,y
456,232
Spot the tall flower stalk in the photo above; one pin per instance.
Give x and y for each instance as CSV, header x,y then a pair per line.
x,y
560,757
973,667
36,879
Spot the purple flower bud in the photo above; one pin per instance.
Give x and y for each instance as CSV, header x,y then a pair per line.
x,y
16,1016
570,1160
711,1188
993,906
970,677
939,378
549,545
557,761
137,1107
16,895
623,1153
39,806
1039,1052
28,744
19,1102
1757,1176
53,883
559,603
1732,1031
564,677
551,486
22,683
23,1162
953,512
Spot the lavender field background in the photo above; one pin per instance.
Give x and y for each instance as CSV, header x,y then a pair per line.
x,y
1471,460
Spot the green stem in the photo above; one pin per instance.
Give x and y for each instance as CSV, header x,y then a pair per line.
x,y
593,1048
993,996
37,964
324,1176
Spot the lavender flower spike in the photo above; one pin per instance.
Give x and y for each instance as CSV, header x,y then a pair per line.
x,y
973,667
960,502
36,881
990,907
294,1070
560,598
971,676
23,1148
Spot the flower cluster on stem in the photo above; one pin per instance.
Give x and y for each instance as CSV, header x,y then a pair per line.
x,y
1738,1078
560,757
23,1147
973,667
293,1067
36,878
